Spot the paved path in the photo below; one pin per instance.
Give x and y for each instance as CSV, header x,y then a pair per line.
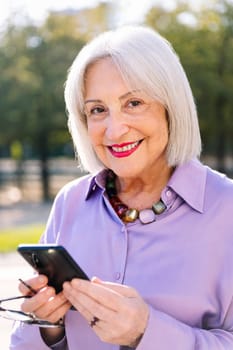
x,y
24,214
12,267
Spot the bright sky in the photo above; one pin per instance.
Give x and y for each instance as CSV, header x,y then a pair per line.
x,y
38,9
127,10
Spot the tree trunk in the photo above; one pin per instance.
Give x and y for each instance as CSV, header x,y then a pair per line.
x,y
43,150
220,106
45,179
221,134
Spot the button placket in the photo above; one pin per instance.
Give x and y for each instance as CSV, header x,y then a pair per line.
x,y
122,257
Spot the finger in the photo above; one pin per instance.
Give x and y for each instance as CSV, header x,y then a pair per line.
x,y
37,282
119,288
54,309
76,299
41,298
99,293
83,307
99,290
58,313
47,305
84,311
53,303
87,306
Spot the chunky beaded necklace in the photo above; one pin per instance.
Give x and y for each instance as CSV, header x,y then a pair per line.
x,y
127,214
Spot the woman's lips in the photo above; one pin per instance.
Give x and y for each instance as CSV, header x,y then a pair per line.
x,y
124,149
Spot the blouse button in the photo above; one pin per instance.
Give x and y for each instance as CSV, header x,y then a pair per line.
x,y
168,193
117,276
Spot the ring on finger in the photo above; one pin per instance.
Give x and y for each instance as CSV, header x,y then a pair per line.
x,y
94,321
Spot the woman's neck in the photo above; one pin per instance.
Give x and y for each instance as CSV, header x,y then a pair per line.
x,y
141,192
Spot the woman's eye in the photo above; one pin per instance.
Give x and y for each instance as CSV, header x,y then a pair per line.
x,y
134,103
97,110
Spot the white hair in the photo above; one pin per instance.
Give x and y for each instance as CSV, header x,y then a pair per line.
x,y
148,62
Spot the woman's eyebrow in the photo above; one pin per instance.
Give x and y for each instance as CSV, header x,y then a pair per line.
x,y
129,93
92,100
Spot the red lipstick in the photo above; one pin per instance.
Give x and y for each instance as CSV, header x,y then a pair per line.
x,y
124,149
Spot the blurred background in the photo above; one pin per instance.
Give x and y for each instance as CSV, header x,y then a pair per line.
x,y
38,42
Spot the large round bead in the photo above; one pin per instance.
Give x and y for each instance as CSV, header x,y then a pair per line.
x,y
146,216
131,215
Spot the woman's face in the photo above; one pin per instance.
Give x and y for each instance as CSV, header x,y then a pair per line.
x,y
128,130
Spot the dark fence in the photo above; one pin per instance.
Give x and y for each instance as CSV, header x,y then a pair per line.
x,y
21,182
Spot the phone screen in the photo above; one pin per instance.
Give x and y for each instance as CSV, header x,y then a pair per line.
x,y
54,261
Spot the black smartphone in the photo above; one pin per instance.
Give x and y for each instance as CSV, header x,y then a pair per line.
x,y
52,260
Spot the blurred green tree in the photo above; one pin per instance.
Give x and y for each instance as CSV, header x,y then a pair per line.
x,y
34,62
204,41
33,107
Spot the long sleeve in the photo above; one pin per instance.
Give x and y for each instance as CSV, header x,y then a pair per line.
x,y
165,332
27,336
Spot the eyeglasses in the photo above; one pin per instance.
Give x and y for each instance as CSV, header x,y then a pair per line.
x,y
16,315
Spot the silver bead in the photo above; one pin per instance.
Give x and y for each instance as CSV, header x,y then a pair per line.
x,y
146,216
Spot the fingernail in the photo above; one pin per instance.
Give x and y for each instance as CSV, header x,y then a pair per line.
x,y
49,291
76,282
42,279
66,285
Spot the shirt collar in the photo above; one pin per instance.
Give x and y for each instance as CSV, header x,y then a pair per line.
x,y
96,181
188,181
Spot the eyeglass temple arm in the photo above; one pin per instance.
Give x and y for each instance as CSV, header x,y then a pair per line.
x,y
15,298
32,290
21,296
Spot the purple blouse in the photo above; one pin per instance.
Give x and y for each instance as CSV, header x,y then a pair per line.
x,y
181,264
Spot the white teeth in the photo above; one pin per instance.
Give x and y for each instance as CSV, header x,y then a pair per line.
x,y
125,148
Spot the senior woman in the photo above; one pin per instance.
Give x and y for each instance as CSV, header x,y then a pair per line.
x,y
150,220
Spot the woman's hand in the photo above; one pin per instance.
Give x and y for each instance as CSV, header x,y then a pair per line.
x,y
117,313
47,305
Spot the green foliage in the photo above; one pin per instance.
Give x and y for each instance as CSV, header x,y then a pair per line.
x,y
16,150
34,62
205,47
11,238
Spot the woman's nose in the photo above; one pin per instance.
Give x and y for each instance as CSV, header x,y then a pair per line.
x,y
116,126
